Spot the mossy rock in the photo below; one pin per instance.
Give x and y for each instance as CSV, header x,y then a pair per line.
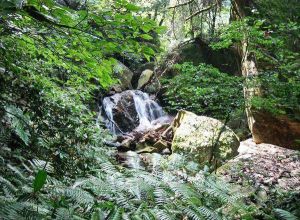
x,y
203,139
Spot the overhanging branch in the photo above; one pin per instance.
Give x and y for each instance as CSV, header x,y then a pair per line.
x,y
201,11
181,4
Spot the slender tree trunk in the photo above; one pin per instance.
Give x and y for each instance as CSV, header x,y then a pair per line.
x,y
239,10
192,34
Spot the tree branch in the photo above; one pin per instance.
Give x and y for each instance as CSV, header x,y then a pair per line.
x,y
181,4
201,11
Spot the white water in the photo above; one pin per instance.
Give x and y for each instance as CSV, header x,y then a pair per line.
x,y
148,111
108,104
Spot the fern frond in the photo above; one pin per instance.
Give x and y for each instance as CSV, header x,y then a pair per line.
x,y
79,196
284,215
209,214
17,172
10,186
37,164
116,214
164,215
161,196
186,192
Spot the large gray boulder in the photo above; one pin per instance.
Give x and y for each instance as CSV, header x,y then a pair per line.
x,y
203,139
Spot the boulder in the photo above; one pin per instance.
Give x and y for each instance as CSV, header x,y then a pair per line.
x,y
153,86
239,124
203,139
277,130
124,76
138,71
132,110
121,112
144,78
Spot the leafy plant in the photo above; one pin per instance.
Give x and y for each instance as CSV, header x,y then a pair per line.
x,y
203,90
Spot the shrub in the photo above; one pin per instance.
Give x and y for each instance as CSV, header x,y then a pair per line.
x,y
203,90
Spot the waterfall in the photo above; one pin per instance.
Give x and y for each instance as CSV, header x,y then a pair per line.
x,y
131,109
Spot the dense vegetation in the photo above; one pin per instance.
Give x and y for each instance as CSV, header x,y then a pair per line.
x,y
205,91
55,60
272,36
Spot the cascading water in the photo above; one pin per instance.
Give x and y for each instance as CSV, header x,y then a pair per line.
x,y
131,110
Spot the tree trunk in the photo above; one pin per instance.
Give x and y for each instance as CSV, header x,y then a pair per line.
x,y
239,10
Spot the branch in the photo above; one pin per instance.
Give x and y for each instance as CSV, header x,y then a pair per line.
x,y
201,11
181,4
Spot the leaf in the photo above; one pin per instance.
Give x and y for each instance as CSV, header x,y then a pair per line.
x,y
40,180
147,27
285,215
146,37
19,122
132,7
161,29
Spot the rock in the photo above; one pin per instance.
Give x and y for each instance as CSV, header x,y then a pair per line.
x,y
161,145
239,124
143,142
153,86
147,150
138,71
124,75
198,51
122,108
144,78
200,139
264,165
277,130
131,110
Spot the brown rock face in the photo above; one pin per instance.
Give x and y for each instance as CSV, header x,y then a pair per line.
x,y
280,130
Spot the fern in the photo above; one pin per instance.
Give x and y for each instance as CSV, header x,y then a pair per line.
x,y
116,214
19,122
164,215
284,215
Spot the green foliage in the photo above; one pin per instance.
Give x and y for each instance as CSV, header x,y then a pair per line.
x,y
54,165
54,61
280,94
112,192
39,180
273,37
203,90
19,122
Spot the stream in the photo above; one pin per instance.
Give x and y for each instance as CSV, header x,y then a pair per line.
x,y
130,116
132,110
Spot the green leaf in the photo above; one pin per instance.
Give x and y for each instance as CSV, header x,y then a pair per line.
x,y
132,7
40,180
147,27
161,29
146,37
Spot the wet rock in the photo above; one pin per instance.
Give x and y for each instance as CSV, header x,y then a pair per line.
x,y
130,110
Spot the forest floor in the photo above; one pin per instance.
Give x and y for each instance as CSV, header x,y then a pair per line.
x,y
265,167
